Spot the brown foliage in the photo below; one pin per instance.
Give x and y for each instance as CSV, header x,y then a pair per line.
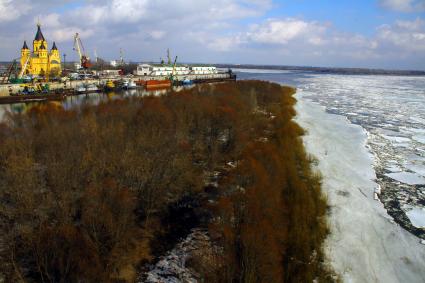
x,y
81,190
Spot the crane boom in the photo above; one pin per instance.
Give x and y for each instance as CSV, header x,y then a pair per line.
x,y
174,65
24,67
48,69
121,57
78,46
168,57
174,69
9,71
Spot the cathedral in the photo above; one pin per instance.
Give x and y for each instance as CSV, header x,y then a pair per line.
x,y
40,60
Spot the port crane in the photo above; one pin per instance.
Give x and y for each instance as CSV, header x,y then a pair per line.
x,y
168,57
172,76
96,58
10,69
24,67
78,46
121,57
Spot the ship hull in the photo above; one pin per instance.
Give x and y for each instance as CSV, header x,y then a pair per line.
x,y
151,84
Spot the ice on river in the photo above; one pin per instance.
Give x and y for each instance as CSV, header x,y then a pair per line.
x,y
417,217
407,178
365,245
392,111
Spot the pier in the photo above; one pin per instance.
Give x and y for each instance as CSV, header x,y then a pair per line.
x,y
69,86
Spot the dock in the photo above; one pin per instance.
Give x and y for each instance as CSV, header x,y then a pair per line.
x,y
58,90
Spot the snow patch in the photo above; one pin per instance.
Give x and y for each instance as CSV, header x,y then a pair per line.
x,y
172,268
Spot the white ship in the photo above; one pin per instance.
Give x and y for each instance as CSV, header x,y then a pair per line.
x,y
160,70
86,87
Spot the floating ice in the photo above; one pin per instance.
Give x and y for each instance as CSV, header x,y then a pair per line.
x,y
417,217
260,71
396,139
407,178
418,120
419,169
419,138
393,168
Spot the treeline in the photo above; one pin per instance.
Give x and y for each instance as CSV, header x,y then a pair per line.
x,y
91,194
270,217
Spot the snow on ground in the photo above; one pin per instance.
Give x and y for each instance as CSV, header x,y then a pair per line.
x,y
172,268
364,244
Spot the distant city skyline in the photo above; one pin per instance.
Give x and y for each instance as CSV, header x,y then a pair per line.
x,y
387,34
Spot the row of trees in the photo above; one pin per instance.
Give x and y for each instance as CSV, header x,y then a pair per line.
x,y
272,227
89,194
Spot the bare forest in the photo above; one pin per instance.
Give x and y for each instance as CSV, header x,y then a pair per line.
x,y
95,193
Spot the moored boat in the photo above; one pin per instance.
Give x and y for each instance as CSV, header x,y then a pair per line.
x,y
187,82
109,85
87,88
140,82
80,89
31,98
150,84
92,88
129,84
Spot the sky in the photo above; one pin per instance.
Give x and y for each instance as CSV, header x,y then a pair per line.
x,y
386,34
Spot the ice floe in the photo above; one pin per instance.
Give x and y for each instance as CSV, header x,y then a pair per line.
x,y
407,178
419,138
417,216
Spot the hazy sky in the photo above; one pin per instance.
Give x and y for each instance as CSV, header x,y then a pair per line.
x,y
343,33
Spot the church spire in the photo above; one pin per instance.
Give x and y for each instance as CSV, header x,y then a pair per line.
x,y
54,46
39,35
25,45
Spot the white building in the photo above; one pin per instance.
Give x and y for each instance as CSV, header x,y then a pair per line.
x,y
203,70
151,70
110,72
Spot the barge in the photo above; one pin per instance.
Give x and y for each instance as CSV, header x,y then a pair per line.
x,y
155,84
32,98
